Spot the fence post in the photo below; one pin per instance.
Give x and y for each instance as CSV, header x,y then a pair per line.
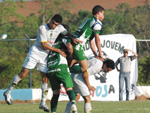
x,y
30,73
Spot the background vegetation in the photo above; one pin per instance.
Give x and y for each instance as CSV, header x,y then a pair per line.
x,y
123,19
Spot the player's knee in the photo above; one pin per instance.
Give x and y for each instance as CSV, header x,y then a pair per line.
x,y
84,68
87,99
84,71
44,78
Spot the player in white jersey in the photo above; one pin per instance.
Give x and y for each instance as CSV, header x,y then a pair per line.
x,y
80,86
37,56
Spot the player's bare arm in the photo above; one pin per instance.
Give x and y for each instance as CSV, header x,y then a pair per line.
x,y
75,40
47,47
92,44
98,45
86,78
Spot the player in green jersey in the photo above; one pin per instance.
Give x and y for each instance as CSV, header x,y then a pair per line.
x,y
86,32
58,72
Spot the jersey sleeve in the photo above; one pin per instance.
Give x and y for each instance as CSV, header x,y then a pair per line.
x,y
132,57
63,31
42,32
94,66
96,26
117,62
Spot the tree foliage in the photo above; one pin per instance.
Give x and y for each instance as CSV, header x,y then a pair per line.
x,y
143,69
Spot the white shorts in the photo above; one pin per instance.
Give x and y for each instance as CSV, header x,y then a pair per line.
x,y
79,84
33,60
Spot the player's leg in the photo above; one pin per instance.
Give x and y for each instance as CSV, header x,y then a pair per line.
x,y
68,107
14,82
87,104
80,56
44,87
71,96
42,67
55,85
68,84
81,87
54,100
77,97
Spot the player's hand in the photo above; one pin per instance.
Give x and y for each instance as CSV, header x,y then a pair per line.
x,y
62,53
76,41
92,89
100,58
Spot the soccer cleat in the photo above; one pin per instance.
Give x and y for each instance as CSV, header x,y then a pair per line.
x,y
7,98
44,107
74,108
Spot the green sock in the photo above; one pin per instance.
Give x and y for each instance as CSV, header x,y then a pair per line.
x,y
54,102
71,95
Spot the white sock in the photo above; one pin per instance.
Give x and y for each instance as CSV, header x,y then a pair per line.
x,y
13,83
44,87
87,108
68,108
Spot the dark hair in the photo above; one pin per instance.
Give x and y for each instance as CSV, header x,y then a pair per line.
x,y
57,18
65,26
110,63
96,9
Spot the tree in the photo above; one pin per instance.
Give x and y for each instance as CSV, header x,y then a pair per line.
x,y
142,22
50,7
143,70
8,10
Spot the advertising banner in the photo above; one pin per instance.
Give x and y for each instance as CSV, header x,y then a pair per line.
x,y
107,85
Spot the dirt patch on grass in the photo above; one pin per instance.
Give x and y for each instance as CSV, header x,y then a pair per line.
x,y
142,97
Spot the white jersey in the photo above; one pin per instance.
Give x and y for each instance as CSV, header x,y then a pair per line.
x,y
44,34
37,55
94,65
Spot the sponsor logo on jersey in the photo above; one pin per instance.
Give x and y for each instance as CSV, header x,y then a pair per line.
x,y
55,70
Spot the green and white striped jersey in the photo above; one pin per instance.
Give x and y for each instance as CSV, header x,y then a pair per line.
x,y
86,30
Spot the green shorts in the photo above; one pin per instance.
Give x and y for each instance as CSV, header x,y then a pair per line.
x,y
78,52
60,75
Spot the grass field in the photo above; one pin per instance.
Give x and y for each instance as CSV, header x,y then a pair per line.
x,y
140,106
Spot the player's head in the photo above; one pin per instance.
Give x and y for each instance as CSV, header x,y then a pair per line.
x,y
55,21
98,12
108,65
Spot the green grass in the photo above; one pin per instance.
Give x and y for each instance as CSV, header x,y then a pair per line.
x,y
98,107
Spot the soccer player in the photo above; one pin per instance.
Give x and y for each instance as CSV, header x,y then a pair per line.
x,y
86,32
37,56
58,72
80,86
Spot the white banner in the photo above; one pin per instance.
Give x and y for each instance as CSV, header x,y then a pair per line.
x,y
107,85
